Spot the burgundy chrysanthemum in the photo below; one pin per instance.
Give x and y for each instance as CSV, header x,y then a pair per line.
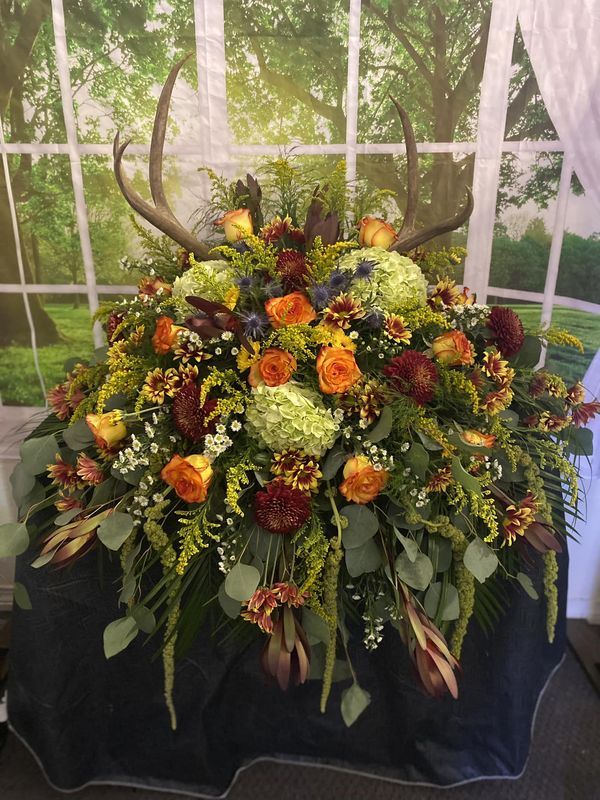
x,y
507,330
414,375
280,509
114,319
189,416
291,266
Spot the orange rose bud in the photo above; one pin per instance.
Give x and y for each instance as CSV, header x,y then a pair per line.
x,y
362,482
165,335
452,349
291,309
275,368
477,439
337,370
190,477
237,224
108,431
374,232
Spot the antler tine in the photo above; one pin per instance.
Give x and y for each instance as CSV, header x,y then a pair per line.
x,y
409,238
160,214
412,169
444,226
157,142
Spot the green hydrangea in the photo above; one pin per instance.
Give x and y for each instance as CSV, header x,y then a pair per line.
x,y
208,279
396,283
291,417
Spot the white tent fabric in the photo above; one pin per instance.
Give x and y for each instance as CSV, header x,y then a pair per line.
x,y
562,39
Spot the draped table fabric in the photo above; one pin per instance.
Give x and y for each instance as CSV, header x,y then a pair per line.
x,y
91,720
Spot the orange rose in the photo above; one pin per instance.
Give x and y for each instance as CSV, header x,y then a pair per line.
x,y
274,368
237,224
165,335
107,429
190,477
477,439
362,481
291,309
452,349
373,232
337,370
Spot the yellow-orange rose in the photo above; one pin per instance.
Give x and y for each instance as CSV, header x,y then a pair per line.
x,y
237,224
477,438
362,482
452,349
275,368
190,477
165,335
374,232
107,429
291,309
337,370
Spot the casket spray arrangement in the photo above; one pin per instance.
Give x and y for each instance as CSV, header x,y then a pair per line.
x,y
309,431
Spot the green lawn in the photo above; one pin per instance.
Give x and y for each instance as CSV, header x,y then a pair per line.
x,y
19,384
568,363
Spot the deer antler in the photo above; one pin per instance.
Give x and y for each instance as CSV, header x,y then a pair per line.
x,y
408,237
160,214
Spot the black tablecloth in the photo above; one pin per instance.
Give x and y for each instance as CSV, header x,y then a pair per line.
x,y
92,720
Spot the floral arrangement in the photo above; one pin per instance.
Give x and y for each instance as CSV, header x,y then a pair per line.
x,y
311,434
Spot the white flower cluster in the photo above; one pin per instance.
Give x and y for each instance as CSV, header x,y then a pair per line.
x,y
216,444
373,631
378,456
469,317
131,458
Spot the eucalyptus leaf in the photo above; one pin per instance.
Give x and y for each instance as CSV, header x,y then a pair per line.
x,y
241,582
418,573
231,607
451,607
417,459
78,436
262,543
14,539
145,619
527,585
354,701
334,459
362,525
580,442
480,560
128,589
383,426
115,529
118,635
21,596
104,492
37,454
529,354
66,516
22,482
427,442
315,627
440,552
366,558
410,546
35,497
466,480
509,418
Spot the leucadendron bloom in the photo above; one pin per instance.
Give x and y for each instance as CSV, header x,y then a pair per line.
x,y
108,429
394,283
290,417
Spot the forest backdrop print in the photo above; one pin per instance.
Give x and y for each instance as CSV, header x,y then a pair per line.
x,y
276,81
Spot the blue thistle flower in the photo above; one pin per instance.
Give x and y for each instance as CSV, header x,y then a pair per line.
x,y
245,283
364,269
374,319
240,247
255,324
274,289
321,295
338,280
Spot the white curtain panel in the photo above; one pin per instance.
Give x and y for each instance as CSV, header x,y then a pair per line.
x,y
562,38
